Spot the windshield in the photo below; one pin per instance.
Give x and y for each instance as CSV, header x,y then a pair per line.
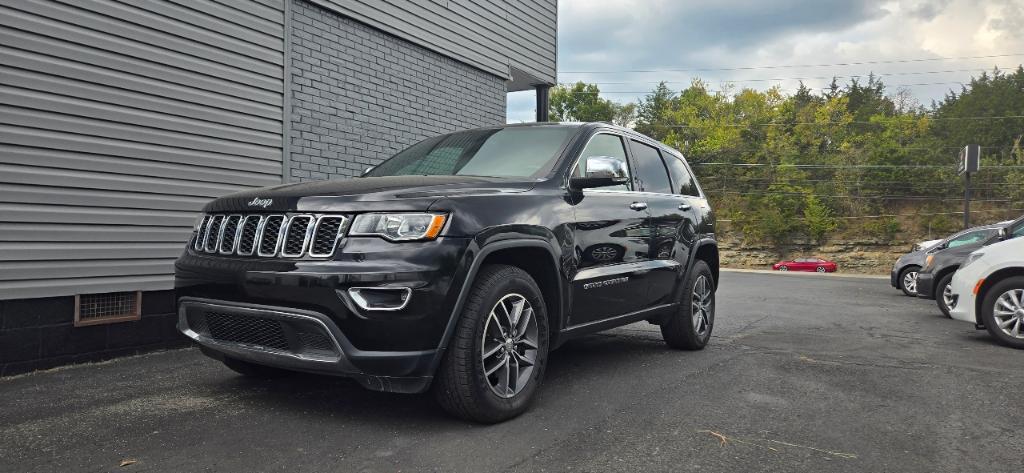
x,y
526,152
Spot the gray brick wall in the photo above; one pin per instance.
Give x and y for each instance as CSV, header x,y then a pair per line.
x,y
360,95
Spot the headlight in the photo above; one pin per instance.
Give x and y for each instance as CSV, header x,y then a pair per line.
x,y
399,227
972,258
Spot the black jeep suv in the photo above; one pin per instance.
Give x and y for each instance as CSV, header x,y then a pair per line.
x,y
457,265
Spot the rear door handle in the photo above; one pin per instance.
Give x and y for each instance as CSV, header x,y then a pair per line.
x,y
684,206
638,206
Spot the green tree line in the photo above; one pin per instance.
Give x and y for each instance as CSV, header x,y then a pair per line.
x,y
852,160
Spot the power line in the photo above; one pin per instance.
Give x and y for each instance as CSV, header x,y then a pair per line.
x,y
997,117
852,166
785,90
791,66
834,196
854,76
895,215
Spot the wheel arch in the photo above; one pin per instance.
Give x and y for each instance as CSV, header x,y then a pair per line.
x,y
992,280
707,251
535,256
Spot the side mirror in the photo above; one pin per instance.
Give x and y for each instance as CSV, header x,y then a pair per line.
x,y
367,171
1004,233
602,171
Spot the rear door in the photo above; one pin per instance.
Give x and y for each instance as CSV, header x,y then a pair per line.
x,y
612,237
671,222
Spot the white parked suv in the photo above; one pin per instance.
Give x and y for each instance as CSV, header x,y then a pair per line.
x,y
988,290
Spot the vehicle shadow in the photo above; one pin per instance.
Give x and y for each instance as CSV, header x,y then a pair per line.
x,y
342,400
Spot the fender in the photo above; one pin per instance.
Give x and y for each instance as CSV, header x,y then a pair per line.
x,y
705,241
467,284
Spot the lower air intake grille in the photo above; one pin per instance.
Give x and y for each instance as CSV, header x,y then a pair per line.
x,y
268,330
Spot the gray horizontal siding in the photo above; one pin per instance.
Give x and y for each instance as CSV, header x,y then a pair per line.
x,y
119,120
492,36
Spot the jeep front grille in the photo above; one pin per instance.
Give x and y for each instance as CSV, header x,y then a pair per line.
x,y
288,236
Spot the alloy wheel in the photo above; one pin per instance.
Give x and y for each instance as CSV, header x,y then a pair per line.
x,y
701,306
603,253
509,347
947,295
1009,313
821,269
910,281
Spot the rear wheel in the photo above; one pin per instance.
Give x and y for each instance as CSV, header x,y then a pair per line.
x,y
821,269
495,361
908,280
690,327
944,294
783,268
1002,311
253,370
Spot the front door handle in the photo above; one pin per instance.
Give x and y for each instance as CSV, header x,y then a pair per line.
x,y
684,206
638,206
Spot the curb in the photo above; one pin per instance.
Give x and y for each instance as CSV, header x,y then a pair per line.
x,y
805,274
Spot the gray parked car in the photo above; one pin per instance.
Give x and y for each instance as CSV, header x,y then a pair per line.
x,y
904,273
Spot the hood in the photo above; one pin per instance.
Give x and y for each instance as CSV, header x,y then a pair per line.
x,y
363,194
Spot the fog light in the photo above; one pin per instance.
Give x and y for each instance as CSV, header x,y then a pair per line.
x,y
381,298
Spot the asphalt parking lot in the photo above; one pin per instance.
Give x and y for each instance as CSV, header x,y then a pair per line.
x,y
805,373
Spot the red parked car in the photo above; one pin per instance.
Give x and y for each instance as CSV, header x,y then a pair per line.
x,y
806,264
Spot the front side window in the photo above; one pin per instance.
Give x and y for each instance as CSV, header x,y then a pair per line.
x,y
514,152
968,238
650,169
1017,232
603,145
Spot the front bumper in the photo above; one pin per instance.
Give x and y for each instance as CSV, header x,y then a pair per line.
x,y
299,340
963,291
894,278
926,285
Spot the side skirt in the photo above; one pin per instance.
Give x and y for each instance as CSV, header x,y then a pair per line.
x,y
652,313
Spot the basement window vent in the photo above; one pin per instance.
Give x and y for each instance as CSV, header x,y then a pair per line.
x,y
108,308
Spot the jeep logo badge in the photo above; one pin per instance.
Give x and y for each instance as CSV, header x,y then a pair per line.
x,y
258,202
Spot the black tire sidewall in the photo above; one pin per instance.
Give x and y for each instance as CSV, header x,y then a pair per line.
x,y
678,332
529,290
939,289
988,310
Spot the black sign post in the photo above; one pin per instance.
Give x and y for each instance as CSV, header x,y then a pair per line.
x,y
970,162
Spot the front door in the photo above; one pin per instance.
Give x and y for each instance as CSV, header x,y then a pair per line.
x,y
611,242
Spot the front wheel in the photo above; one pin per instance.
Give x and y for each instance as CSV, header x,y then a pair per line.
x,y
783,268
690,327
944,294
495,361
1002,310
908,281
821,269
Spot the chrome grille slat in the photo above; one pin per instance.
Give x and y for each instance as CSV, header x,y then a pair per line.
x,y
277,235
229,235
247,234
270,235
326,233
213,234
296,237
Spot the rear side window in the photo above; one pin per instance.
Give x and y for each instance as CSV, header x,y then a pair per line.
x,y
650,169
1017,232
684,183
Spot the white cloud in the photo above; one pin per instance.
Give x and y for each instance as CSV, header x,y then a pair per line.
x,y
617,35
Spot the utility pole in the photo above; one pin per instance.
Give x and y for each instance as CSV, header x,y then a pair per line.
x,y
970,163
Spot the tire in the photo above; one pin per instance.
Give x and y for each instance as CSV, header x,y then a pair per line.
x,y
940,294
689,329
461,387
252,370
783,268
820,269
988,307
901,279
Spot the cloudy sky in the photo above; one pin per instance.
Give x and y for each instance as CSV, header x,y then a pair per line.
x,y
759,40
